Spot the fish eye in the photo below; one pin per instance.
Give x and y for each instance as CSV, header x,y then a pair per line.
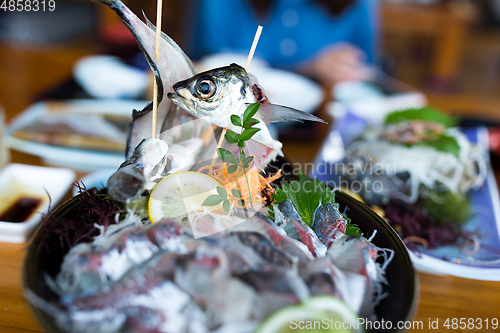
x,y
206,88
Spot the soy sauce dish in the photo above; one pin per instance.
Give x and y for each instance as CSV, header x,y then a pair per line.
x,y
26,194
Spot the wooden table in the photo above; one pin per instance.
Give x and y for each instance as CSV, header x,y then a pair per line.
x,y
25,73
445,25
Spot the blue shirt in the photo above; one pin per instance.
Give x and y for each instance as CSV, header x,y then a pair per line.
x,y
293,33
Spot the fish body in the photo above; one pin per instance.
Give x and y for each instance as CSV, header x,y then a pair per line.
x,y
217,94
142,170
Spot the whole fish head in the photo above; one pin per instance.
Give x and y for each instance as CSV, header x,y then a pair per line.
x,y
215,95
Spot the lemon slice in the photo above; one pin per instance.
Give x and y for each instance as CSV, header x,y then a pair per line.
x,y
180,193
316,314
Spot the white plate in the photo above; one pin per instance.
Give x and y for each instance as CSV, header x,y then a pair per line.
x,y
47,184
485,201
79,159
485,205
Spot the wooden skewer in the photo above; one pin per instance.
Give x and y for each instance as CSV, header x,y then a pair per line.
x,y
155,87
254,46
247,65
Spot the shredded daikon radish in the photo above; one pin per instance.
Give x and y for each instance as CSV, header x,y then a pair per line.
x,y
426,166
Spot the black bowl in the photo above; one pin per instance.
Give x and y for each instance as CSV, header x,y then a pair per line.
x,y
402,288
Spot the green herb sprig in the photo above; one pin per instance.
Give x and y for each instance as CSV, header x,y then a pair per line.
x,y
242,161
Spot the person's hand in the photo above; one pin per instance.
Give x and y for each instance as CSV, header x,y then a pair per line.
x,y
341,62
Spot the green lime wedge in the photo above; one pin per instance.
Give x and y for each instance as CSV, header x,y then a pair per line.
x,y
318,314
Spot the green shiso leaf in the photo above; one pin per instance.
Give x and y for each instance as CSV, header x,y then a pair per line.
x,y
424,114
352,229
444,143
306,195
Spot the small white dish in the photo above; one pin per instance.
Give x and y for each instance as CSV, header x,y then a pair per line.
x,y
19,180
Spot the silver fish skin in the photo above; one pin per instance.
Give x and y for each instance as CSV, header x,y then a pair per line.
x,y
215,95
147,165
172,67
287,217
328,223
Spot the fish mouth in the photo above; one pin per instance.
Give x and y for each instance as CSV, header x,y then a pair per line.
x,y
181,101
175,97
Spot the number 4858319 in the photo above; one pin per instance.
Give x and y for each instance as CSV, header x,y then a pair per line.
x,y
27,5
471,323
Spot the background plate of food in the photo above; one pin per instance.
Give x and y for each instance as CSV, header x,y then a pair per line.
x,y
81,134
432,181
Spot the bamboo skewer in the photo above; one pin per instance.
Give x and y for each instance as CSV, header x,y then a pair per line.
x,y
254,46
155,87
247,65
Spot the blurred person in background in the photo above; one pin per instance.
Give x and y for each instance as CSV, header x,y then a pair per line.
x,y
328,40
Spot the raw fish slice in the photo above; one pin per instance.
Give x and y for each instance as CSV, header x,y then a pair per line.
x,y
328,223
276,288
355,256
205,274
261,224
323,277
320,277
80,271
168,236
172,67
241,258
266,249
130,249
138,301
240,327
287,217
270,272
85,268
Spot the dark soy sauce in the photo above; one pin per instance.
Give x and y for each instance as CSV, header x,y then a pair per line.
x,y
20,210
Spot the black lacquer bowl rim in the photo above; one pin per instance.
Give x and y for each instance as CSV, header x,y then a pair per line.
x,y
398,306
